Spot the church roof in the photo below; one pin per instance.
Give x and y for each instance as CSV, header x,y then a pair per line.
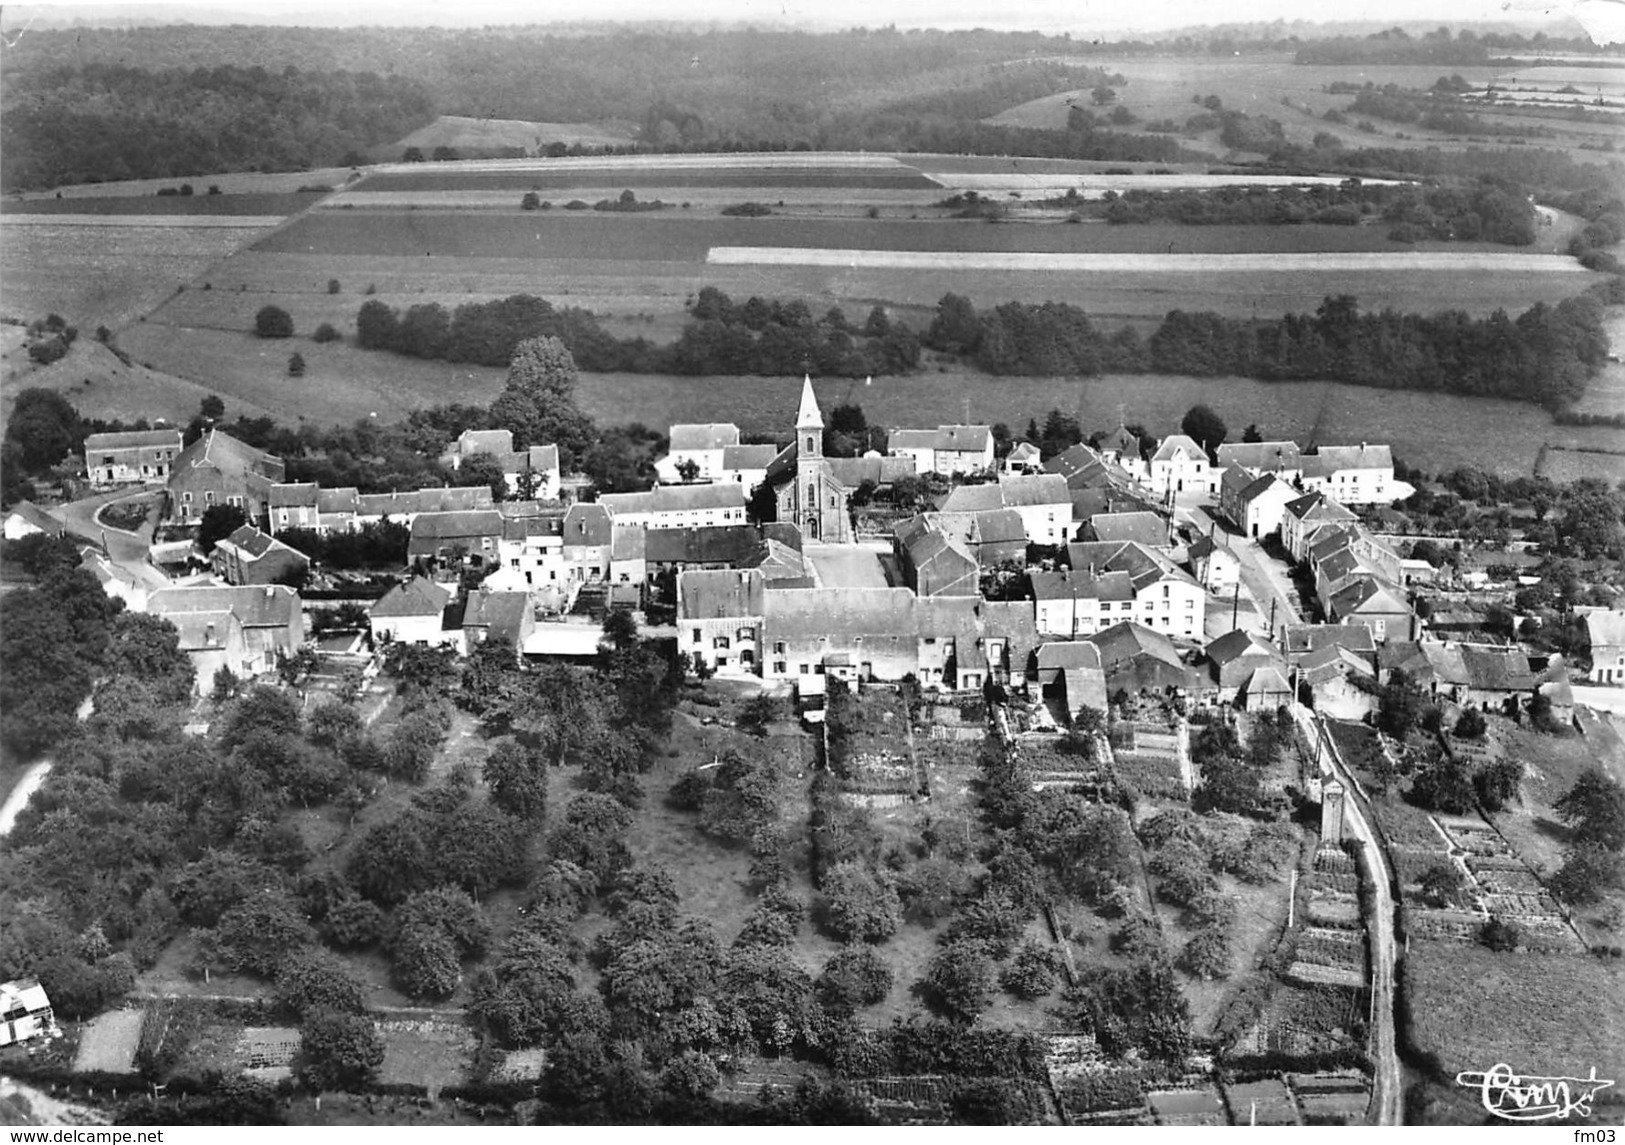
x,y
808,417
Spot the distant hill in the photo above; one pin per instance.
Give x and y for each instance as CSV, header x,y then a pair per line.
x,y
483,138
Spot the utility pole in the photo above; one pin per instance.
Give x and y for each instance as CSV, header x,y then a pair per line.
x,y
1235,604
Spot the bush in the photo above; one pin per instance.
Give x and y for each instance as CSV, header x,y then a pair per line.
x,y
296,365
859,906
1033,972
854,977
333,286
338,1051
1471,724
959,980
273,322
1500,935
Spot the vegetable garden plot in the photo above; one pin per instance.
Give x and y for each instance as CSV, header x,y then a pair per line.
x,y
1187,1106
109,1041
1265,1102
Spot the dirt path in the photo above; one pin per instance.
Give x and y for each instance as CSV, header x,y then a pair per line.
x,y
20,795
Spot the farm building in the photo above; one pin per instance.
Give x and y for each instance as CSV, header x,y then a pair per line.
x,y
934,563
702,446
1301,517
25,1011
531,473
485,615
1124,449
992,536
411,613
1149,530
1071,671
1354,475
250,556
719,619
746,465
678,506
217,469
1136,659
451,540
125,458
26,519
946,450
1256,504
245,629
293,505
1214,564
1236,657
371,508
1280,458
1489,676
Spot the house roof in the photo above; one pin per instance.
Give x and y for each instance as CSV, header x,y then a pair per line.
x,y
1081,584
255,544
1483,667
1266,684
345,500
840,613
704,436
1121,441
709,544
1318,507
203,631
630,542
1236,645
854,471
952,438
256,606
1023,451
485,441
676,499
1261,456
1019,490
748,456
1144,566
23,994
1177,444
1054,655
943,562
449,499
1143,528
223,452
1268,485
444,526
500,613
133,439
1369,594
1126,640
1606,628
588,524
712,594
1406,656
522,528
1079,466
1207,545
972,499
1329,459
419,596
1333,660
1300,639
37,517
293,494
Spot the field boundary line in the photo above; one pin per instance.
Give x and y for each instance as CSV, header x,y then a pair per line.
x,y
1282,262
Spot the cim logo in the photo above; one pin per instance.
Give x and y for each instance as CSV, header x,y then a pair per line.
x,y
1514,1097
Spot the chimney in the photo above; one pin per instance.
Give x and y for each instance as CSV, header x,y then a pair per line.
x,y
270,591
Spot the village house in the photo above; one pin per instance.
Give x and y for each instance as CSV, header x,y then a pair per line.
x,y
1354,475
1303,516
293,505
336,509
1279,458
412,613
1135,659
1373,603
1125,450
1214,564
1605,632
703,446
132,583
589,537
993,536
1080,602
144,455
486,614
746,465
217,469
1165,597
1493,677
451,541
678,506
1180,466
246,629
26,519
25,1011
531,473
1069,671
1236,658
849,633
946,450
1024,457
719,619
1255,504
1341,681
249,556
1043,502
934,563
530,554
372,508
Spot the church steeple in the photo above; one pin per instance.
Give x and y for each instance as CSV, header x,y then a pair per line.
x,y
809,422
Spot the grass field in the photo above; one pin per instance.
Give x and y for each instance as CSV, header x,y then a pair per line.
x,y
190,206
666,175
1551,1014
471,136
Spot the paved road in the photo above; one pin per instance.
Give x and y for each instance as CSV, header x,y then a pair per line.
x,y
122,547
1264,578
1387,1084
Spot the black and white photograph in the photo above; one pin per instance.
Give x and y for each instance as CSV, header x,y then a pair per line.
x,y
789,563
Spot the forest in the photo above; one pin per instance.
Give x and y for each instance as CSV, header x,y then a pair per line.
x,y
110,121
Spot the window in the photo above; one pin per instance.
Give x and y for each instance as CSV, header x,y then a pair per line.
x,y
208,496
720,642
747,634
747,657
804,669
186,498
697,636
778,647
779,667
1165,592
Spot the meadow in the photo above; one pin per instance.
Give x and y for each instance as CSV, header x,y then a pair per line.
x,y
195,205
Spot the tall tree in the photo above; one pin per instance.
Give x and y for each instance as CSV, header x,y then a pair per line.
x,y
538,402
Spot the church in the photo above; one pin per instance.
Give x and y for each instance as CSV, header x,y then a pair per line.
x,y
809,495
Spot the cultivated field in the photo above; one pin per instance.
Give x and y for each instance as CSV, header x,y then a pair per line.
x,y
1120,263
472,136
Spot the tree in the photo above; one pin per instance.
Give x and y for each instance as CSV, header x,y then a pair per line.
x,y
1588,873
44,428
1443,785
530,201
296,365
1207,954
1204,427
1102,95
218,523
958,982
313,980
858,905
538,402
1497,783
376,326
326,332
1594,808
518,780
1033,972
1500,935
1471,724
756,713
854,977
1399,706
273,322
338,1051
1443,883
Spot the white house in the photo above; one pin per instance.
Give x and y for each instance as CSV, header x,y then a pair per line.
x,y
701,445
946,450
1110,582
538,465
134,455
1180,466
1257,505
26,518
1354,475
746,464
1280,458
720,613
679,506
412,613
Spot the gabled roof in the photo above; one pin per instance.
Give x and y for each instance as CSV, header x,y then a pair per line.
x,y
704,436
419,596
1268,485
1081,585
676,499
1265,685
1406,656
1367,594
345,500
630,542
1143,528
707,544
1122,442
500,613
1485,667
748,456
255,544
1127,640
712,594
1606,628
1334,660
536,459
1080,466
293,495
221,451
1054,655
1318,507
1023,451
443,526
256,606
1237,645
854,471
1207,545
485,441
37,517
203,631
586,523
1300,639
946,438
973,499
1176,444
1329,459
1261,456
522,528
1021,490
1144,566
942,563
133,439
840,613
457,498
